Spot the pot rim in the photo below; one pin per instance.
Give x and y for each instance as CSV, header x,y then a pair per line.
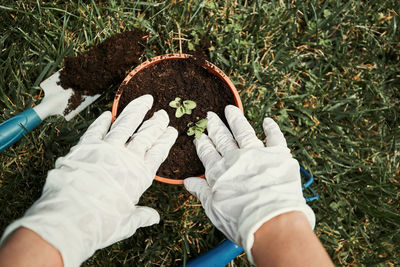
x,y
208,65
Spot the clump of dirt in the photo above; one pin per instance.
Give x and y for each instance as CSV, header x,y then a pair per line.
x,y
187,79
104,65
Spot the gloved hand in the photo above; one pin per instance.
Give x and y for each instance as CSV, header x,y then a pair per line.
x,y
246,183
89,199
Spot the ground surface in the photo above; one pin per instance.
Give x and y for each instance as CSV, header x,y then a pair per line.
x,y
327,71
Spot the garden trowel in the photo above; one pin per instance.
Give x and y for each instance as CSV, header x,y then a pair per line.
x,y
55,102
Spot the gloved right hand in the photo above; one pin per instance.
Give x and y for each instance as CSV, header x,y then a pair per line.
x,y
246,184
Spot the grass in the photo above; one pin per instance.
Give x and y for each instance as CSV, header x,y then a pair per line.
x,y
327,71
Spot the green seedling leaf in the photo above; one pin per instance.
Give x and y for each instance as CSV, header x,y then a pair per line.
x,y
198,134
197,128
175,103
189,104
202,124
191,131
180,111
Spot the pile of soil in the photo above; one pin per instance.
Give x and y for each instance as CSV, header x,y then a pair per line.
x,y
187,79
104,65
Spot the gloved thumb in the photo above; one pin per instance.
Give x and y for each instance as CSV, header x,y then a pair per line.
x,y
199,188
145,216
140,217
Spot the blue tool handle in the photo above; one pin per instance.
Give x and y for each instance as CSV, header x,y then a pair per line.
x,y
13,129
218,256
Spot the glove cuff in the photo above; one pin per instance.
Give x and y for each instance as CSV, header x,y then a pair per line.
x,y
251,223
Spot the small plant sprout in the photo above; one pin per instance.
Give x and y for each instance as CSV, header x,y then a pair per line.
x,y
181,109
197,128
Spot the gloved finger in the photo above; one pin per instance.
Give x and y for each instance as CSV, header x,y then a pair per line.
x,y
128,121
140,217
273,133
199,188
206,151
242,131
145,216
98,129
149,132
160,149
220,134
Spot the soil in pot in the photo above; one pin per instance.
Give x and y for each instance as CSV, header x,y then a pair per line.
x,y
187,79
102,66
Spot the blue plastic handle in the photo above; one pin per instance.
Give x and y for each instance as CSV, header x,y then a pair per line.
x,y
13,129
218,256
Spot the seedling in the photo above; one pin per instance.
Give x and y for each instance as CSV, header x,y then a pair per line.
x,y
197,128
181,109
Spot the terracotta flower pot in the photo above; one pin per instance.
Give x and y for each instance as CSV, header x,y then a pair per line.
x,y
209,66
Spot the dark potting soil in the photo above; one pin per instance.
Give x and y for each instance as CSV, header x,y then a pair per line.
x,y
186,79
104,65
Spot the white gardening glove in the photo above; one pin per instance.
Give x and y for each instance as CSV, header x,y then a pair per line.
x,y
246,183
89,199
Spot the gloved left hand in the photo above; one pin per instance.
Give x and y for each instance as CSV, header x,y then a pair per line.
x,y
89,199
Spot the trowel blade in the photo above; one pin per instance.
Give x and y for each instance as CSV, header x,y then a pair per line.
x,y
54,92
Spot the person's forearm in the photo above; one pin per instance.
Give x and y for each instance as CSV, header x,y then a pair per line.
x,y
288,240
26,248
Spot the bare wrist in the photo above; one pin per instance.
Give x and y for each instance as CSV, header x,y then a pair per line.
x,y
288,240
24,247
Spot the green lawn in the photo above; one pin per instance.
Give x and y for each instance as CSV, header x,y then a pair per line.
x,y
327,71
